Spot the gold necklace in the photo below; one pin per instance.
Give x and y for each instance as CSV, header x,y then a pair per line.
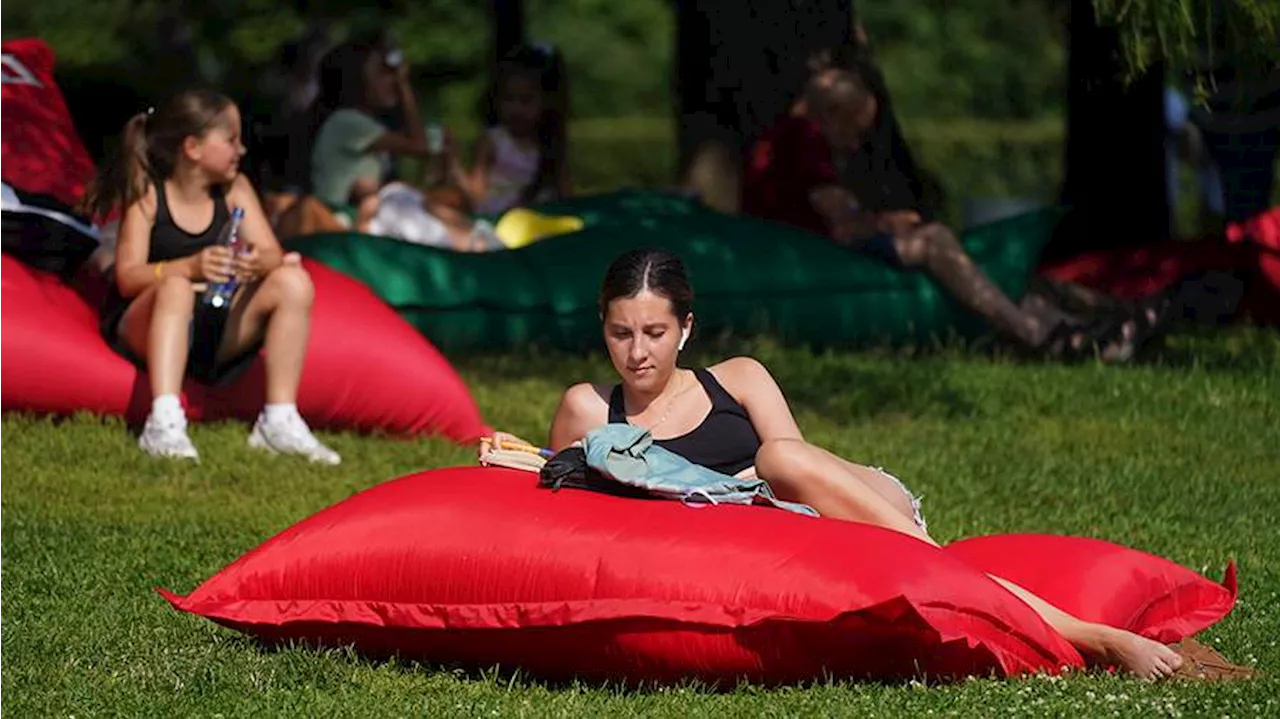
x,y
670,404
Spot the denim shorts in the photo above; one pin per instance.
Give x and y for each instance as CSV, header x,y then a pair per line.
x,y
881,247
915,501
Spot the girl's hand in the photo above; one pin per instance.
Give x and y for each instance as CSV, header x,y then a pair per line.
x,y
215,264
249,267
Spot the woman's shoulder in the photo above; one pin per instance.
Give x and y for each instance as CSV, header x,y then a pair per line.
x,y
586,398
741,376
583,407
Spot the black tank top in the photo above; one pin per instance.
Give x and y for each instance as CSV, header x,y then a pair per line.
x,y
725,442
170,242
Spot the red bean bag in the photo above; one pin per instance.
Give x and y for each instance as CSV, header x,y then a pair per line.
x,y
366,369
480,566
1103,582
44,165
42,153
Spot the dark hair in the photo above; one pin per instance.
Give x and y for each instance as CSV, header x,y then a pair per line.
x,y
341,80
657,270
149,148
545,67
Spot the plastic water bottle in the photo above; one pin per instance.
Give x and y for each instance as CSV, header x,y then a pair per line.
x,y
435,138
219,294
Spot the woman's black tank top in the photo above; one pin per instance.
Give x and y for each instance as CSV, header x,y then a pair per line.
x,y
725,442
170,242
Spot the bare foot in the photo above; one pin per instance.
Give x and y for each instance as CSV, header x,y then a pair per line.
x,y
1144,658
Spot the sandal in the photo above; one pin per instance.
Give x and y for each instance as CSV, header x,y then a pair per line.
x,y
1072,342
1152,316
1202,662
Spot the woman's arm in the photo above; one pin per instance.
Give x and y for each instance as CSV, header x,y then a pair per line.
x,y
838,207
413,140
133,244
751,384
581,410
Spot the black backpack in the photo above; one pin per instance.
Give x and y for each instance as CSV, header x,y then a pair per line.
x,y
44,233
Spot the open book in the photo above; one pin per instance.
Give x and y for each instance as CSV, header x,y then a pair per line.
x,y
514,459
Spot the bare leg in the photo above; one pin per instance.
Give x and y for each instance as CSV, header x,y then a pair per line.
x,y
280,307
1142,657
456,222
800,472
936,249
156,327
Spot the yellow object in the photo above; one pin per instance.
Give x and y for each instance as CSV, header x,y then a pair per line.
x,y
159,270
519,227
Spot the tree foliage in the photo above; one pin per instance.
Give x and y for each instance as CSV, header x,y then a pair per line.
x,y
1196,36
985,59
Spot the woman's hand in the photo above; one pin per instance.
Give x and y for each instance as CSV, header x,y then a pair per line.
x,y
898,223
214,263
495,442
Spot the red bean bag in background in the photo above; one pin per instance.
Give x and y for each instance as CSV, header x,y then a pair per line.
x,y
42,161
366,369
1250,248
479,566
42,153
1103,582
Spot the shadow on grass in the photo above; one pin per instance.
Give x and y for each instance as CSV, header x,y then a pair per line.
x,y
514,679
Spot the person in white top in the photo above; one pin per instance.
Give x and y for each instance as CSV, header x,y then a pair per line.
x,y
520,158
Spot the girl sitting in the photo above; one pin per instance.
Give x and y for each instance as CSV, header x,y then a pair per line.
x,y
353,152
520,160
176,179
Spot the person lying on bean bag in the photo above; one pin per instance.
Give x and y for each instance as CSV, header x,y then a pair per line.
x,y
732,418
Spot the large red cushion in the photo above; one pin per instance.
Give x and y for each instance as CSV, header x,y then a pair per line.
x,y
41,152
480,566
1103,582
366,368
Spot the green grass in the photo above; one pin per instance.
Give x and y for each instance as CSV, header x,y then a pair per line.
x,y
1180,456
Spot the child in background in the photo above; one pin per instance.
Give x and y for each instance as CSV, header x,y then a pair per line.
x,y
176,179
354,152
520,160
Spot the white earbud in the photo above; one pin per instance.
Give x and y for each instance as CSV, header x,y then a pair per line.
x,y
684,337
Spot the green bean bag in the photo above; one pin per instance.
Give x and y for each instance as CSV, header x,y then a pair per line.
x,y
749,276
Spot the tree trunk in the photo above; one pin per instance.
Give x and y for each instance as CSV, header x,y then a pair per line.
x,y
507,25
1115,164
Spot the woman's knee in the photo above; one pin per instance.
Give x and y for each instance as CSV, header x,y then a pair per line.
x,y
786,461
291,285
938,239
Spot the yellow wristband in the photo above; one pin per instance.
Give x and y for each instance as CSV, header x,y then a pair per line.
x,y
159,270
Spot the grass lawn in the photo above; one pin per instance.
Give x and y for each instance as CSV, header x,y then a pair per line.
x,y
1180,456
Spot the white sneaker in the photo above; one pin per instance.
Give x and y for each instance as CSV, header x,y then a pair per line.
x,y
167,437
290,436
